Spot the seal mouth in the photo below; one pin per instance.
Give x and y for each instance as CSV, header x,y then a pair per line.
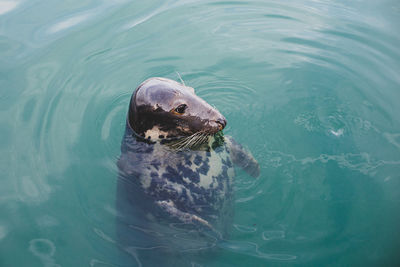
x,y
215,126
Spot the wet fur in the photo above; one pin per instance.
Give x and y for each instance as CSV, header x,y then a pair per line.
x,y
177,169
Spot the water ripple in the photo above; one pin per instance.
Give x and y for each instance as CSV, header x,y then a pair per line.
x,y
253,250
44,249
7,6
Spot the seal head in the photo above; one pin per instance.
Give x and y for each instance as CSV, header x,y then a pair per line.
x,y
162,108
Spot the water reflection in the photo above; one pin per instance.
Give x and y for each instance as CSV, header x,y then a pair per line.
x,y
7,6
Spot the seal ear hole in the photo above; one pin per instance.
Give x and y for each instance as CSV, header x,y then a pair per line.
x,y
179,110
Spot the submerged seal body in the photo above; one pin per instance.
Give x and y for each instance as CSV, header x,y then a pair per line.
x,y
175,165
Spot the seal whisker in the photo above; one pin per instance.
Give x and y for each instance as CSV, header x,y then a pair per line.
x,y
200,140
184,142
203,138
196,138
180,78
190,141
197,141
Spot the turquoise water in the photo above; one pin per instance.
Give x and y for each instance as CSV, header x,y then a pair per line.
x,y
312,88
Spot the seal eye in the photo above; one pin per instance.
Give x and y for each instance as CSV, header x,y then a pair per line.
x,y
179,110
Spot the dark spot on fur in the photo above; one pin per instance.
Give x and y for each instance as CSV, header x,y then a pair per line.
x,y
172,175
220,182
161,136
197,160
189,173
156,163
187,157
225,170
163,141
149,149
204,168
214,146
197,190
226,162
229,163
181,204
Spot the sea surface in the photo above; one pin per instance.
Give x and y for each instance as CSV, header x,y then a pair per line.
x,y
312,88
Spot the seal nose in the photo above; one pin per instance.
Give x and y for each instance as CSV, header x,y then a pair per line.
x,y
221,123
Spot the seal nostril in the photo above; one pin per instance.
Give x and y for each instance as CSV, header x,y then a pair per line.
x,y
221,123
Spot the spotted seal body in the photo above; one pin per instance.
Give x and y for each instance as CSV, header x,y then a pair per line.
x,y
175,163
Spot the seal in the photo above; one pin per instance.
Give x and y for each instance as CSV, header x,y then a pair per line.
x,y
176,165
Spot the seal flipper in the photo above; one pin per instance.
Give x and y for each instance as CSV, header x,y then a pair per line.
x,y
242,157
185,217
